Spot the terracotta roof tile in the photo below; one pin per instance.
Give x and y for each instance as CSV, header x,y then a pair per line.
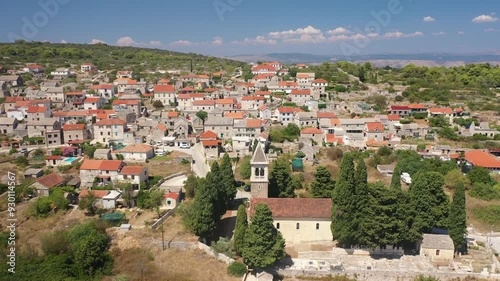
x,y
210,142
73,127
374,126
311,131
51,180
164,89
106,165
326,115
208,135
482,159
319,208
300,92
173,195
108,122
95,193
132,170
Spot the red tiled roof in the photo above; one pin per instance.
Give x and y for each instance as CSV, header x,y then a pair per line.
x,y
36,109
330,138
128,102
13,99
374,126
204,102
326,115
289,109
164,89
95,193
235,115
287,84
53,157
73,127
393,117
226,101
161,127
399,107
319,80
441,110
210,90
210,142
187,89
319,208
102,87
335,122
311,131
173,114
74,94
137,148
264,67
417,106
254,123
106,165
263,93
300,92
248,98
34,66
262,76
108,122
208,135
480,158
305,75
372,142
91,99
132,170
173,195
50,180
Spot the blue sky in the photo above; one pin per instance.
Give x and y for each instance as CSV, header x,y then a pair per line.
x,y
231,27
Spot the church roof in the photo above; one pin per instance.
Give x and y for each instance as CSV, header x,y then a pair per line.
x,y
259,157
307,208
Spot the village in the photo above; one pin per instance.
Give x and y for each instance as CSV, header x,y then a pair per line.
x,y
106,138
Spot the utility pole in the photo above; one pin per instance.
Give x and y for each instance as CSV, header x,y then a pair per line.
x,y
162,237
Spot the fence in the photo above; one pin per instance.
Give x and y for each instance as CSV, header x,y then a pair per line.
x,y
163,218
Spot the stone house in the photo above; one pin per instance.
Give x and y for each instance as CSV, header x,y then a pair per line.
x,y
105,171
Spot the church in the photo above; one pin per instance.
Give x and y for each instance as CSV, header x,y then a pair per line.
x,y
300,220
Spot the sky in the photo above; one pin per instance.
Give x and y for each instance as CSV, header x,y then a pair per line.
x,y
235,27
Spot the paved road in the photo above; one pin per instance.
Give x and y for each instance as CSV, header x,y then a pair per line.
x,y
483,237
174,184
200,166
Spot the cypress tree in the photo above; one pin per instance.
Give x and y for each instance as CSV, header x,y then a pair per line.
x,y
200,217
227,175
240,229
323,184
264,245
429,204
360,200
280,180
215,184
458,218
343,206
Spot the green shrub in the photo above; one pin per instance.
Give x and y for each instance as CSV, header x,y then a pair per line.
x,y
488,214
236,269
485,191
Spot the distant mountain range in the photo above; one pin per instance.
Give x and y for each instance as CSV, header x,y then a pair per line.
x,y
381,60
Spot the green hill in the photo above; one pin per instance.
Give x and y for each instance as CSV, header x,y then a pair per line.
x,y
109,57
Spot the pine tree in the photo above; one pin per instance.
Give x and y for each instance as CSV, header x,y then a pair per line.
x,y
190,186
226,170
263,243
280,180
323,184
396,178
361,202
429,205
240,229
458,219
200,217
343,206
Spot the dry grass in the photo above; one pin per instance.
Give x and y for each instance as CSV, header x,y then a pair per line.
x,y
169,265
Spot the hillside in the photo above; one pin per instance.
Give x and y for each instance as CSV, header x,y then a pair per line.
x,y
109,57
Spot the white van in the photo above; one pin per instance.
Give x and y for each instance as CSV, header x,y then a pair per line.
x,y
184,145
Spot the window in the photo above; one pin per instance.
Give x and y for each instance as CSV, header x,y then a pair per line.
x,y
297,226
278,225
261,172
437,252
256,172
317,225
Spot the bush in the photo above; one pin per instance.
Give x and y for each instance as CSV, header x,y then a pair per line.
x,y
21,161
488,214
485,191
236,269
334,153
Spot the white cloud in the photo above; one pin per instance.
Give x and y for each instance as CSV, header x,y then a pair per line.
x,y
338,31
259,40
183,43
64,41
440,33
429,19
217,40
308,34
399,34
461,33
492,30
155,43
485,18
126,41
96,41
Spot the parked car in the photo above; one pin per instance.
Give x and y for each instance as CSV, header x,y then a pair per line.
x,y
184,145
405,177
